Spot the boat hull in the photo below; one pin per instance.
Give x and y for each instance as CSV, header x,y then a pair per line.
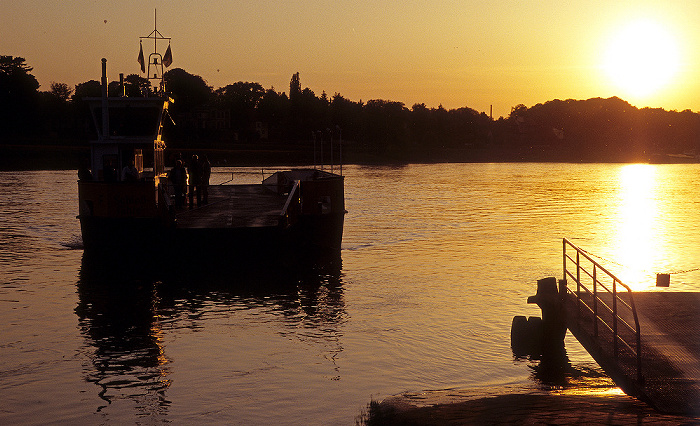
x,y
121,219
310,239
115,235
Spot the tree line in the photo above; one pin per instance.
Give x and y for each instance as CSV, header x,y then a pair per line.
x,y
245,114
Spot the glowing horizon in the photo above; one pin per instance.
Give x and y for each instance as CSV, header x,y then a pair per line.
x,y
464,53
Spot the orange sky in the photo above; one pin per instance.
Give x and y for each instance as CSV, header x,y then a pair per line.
x,y
451,53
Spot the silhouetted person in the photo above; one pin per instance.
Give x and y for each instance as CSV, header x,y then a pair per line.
x,y
195,180
130,173
206,174
84,172
178,178
109,172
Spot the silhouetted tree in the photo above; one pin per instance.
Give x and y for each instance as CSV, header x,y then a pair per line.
x,y
241,99
296,130
386,127
273,110
191,95
88,89
56,115
18,96
314,113
137,86
564,130
294,87
61,91
347,115
188,90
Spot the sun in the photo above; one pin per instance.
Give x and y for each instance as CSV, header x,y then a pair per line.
x,y
641,58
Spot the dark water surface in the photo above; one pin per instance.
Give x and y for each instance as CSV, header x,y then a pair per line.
x,y
436,261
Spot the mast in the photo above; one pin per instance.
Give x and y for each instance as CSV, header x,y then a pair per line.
x,y
155,29
156,61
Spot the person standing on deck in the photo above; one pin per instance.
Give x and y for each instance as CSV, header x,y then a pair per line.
x,y
178,179
84,172
109,171
206,174
195,181
130,173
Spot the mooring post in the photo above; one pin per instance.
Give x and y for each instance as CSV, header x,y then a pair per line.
x,y
562,288
550,299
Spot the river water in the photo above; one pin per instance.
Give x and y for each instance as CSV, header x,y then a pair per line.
x,y
436,261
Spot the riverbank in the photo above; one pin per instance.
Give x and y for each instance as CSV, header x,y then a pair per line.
x,y
57,156
42,156
610,407
47,156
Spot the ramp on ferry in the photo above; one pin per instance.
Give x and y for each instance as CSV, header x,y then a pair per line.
x,y
669,325
234,206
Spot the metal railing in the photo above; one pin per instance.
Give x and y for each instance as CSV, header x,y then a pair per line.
x,y
334,137
292,207
596,290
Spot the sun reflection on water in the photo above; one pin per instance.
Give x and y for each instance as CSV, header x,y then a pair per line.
x,y
638,225
602,392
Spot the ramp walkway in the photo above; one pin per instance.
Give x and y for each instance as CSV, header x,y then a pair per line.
x,y
235,206
648,342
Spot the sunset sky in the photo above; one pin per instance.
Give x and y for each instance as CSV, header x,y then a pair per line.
x,y
452,53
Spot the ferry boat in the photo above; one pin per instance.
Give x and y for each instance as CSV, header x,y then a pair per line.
x,y
129,205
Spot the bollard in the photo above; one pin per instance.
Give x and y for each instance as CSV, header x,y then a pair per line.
x,y
526,336
519,339
663,280
553,315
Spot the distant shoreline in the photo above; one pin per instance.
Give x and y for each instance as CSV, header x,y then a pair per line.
x,y
66,157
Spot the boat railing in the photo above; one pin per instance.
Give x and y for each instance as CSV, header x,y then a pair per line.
x,y
330,141
292,206
263,173
167,189
233,174
598,294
